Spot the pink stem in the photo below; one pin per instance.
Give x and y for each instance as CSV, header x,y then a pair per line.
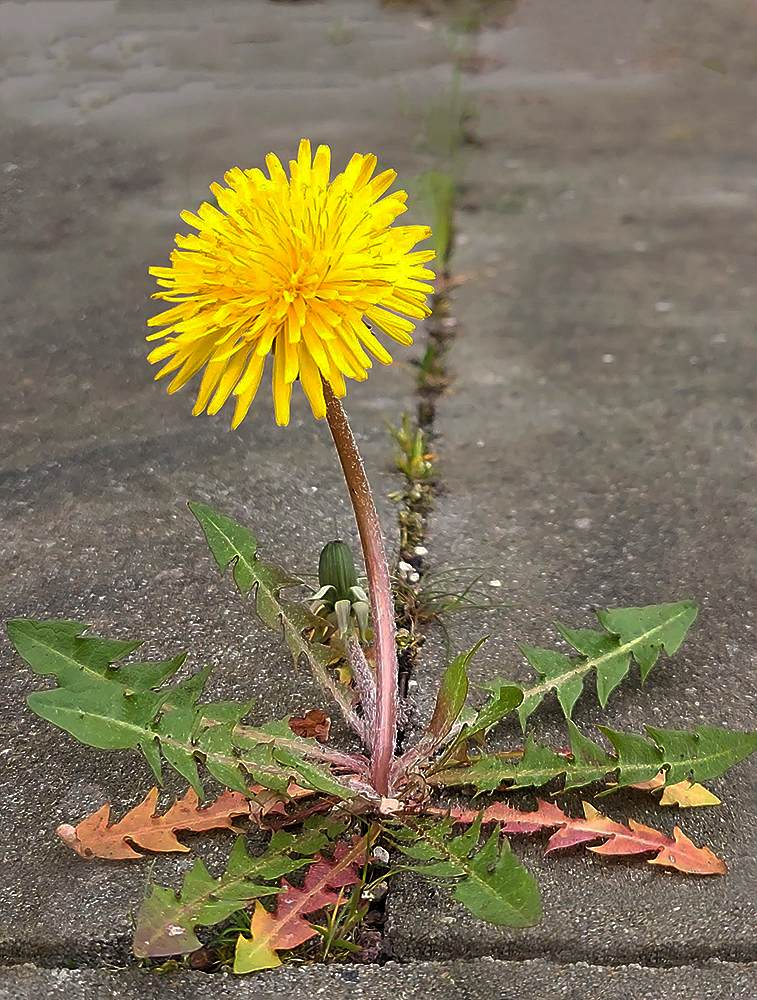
x,y
379,588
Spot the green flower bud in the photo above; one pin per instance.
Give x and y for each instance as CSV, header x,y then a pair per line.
x,y
336,568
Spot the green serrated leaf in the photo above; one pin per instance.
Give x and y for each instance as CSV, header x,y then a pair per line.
x,y
498,888
166,919
706,753
504,699
590,762
217,742
487,772
612,661
638,758
75,660
646,630
102,718
490,882
58,648
274,747
556,671
95,706
231,544
701,755
234,545
538,766
631,632
311,775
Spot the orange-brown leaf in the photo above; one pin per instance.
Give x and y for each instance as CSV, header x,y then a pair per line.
x,y
684,856
314,723
95,837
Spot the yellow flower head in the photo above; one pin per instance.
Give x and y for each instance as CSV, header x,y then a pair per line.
x,y
297,266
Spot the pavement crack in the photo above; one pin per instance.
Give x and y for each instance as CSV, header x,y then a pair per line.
x,y
417,463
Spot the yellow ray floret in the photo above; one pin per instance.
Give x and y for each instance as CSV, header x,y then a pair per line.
x,y
302,267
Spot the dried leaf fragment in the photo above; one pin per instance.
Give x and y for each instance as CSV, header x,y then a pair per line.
x,y
314,723
95,837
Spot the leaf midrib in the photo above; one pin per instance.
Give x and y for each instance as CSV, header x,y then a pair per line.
x,y
588,665
471,874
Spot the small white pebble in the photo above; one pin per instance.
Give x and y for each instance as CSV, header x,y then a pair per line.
x,y
404,567
495,583
381,854
412,684
583,523
663,307
719,338
480,444
607,359
420,550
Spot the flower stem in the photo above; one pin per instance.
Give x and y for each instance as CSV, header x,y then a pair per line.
x,y
379,588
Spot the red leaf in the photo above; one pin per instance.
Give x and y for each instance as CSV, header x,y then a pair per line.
x,y
293,905
579,831
676,852
514,821
287,927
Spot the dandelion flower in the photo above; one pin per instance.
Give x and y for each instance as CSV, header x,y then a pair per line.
x,y
301,267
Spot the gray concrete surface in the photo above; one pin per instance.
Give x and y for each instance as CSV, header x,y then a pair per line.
x,y
457,980
116,117
598,445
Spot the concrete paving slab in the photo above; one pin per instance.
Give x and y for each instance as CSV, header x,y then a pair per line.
x,y
115,123
597,446
116,117
482,979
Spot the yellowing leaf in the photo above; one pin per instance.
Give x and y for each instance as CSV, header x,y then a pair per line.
x,y
287,926
255,952
687,794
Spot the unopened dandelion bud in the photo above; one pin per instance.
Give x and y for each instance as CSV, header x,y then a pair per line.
x,y
336,568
